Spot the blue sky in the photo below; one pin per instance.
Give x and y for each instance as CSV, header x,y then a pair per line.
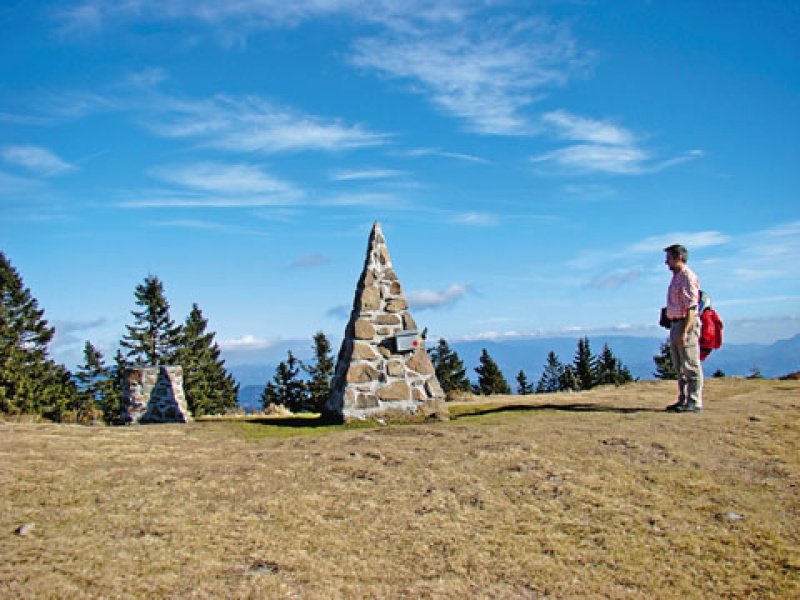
x,y
528,162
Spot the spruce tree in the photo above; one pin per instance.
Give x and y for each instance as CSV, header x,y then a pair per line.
x,y
153,338
550,381
94,384
523,387
208,387
320,373
609,369
29,381
664,367
286,387
450,369
112,406
583,365
569,380
490,378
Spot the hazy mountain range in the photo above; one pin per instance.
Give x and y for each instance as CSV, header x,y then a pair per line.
x,y
772,360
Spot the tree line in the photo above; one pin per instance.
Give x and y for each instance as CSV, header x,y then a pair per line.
x,y
585,372
32,383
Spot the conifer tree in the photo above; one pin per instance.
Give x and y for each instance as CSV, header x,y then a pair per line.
x,y
153,338
208,387
93,382
450,369
523,387
569,380
320,373
29,381
286,387
583,365
609,369
664,367
550,381
490,378
113,402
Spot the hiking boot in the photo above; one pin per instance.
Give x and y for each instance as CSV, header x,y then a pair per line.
x,y
677,407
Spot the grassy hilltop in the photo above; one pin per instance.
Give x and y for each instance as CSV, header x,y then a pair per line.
x,y
596,494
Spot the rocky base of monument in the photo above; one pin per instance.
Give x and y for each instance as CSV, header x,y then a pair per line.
x,y
154,395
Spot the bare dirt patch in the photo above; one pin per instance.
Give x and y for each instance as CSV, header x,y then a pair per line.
x,y
598,494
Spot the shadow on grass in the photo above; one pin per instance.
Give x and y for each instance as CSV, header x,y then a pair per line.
x,y
577,407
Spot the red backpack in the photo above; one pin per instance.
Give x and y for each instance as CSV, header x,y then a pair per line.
x,y
710,332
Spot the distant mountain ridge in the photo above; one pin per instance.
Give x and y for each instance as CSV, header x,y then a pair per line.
x,y
773,360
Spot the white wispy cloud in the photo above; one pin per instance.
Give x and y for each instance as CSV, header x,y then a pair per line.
x,y
247,342
604,147
567,331
425,299
695,239
573,127
615,280
486,74
376,199
310,261
36,159
252,124
210,226
445,154
591,192
651,245
215,184
225,178
69,333
252,15
765,255
589,158
364,174
476,218
176,200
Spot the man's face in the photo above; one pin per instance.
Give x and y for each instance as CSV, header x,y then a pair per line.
x,y
672,263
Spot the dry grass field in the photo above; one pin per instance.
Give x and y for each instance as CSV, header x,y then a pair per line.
x,y
597,494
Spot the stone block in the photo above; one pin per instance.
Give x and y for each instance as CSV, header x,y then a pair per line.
x,y
387,320
421,363
363,330
397,391
371,298
396,305
362,374
395,368
364,351
367,401
433,388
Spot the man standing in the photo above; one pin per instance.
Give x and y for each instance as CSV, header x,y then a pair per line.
x,y
683,297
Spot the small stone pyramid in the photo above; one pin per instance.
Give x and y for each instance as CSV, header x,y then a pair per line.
x,y
383,367
154,395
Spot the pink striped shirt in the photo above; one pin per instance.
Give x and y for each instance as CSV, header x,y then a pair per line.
x,y
683,293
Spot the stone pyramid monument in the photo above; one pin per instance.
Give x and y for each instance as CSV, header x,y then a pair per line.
x,y
383,367
154,395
